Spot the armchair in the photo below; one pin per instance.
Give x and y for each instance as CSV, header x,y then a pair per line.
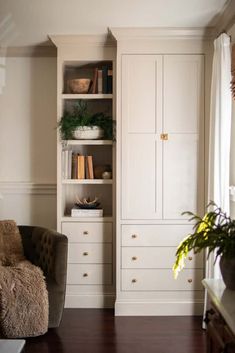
x,y
48,249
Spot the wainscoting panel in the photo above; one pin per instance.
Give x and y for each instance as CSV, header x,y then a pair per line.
x,y
29,203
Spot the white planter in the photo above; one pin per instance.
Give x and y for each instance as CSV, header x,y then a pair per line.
x,y
88,133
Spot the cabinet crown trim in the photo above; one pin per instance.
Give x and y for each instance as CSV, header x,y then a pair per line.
x,y
162,33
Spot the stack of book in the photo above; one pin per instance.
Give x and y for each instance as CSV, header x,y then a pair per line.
x,y
81,212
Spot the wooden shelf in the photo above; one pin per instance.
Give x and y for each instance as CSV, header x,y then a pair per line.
x,y
88,181
86,142
87,219
86,96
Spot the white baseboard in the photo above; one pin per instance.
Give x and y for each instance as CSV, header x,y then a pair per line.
x,y
127,308
90,301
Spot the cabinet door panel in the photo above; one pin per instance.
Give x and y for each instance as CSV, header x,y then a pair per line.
x,y
141,93
141,197
180,175
183,93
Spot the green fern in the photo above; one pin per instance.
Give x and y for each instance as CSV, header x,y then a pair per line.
x,y
81,117
215,231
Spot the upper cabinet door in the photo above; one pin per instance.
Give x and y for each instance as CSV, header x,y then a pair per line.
x,y
141,110
183,93
183,120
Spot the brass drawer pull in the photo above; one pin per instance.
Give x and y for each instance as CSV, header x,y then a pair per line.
x,y
134,280
190,258
85,232
85,274
134,258
134,236
85,253
190,280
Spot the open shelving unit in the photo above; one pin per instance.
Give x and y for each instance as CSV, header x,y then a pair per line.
x,y
89,283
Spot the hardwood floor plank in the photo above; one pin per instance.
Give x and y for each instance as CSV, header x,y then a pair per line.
x,y
98,331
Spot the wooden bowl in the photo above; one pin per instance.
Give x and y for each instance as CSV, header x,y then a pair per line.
x,y
79,85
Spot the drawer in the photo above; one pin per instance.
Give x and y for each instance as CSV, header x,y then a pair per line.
x,y
154,235
89,274
85,232
90,253
156,257
161,280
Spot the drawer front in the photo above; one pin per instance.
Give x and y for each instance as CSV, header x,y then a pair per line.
x,y
154,235
84,232
89,274
156,257
84,253
150,279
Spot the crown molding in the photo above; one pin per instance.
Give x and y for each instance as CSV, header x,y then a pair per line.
x,y
127,33
226,18
29,51
70,40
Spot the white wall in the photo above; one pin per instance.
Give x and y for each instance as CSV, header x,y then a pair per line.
x,y
28,141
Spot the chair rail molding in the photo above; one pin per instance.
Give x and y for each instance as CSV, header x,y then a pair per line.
x,y
23,187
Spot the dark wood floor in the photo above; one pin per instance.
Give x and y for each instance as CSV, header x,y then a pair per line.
x,y
98,331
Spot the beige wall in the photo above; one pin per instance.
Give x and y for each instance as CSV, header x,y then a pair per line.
x,y
28,141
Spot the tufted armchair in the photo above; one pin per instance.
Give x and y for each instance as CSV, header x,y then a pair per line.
x,y
48,249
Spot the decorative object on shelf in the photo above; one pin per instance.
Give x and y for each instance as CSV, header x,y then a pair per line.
x,y
79,85
80,117
87,208
99,170
106,175
215,232
88,133
87,203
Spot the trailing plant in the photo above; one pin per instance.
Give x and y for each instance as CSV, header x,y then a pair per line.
x,y
80,117
215,232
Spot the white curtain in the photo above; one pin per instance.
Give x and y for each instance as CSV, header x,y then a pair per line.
x,y
219,139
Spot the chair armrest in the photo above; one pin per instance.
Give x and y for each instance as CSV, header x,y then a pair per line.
x,y
48,250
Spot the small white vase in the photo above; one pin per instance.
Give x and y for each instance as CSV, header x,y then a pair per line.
x,y
88,133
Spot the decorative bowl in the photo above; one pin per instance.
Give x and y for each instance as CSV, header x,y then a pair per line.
x,y
88,133
79,85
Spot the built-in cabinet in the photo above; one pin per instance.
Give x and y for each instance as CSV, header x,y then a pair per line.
x,y
158,164
160,172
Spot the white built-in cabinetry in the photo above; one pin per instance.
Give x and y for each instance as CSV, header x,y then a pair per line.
x,y
91,252
160,170
162,79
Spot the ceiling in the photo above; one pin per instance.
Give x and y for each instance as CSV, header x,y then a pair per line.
x,y
28,22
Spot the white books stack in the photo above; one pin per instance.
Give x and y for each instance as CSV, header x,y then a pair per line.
x,y
81,212
67,164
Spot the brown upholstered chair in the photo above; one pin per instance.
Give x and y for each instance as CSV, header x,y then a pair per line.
x,y
48,249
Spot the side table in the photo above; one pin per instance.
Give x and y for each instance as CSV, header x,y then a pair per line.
x,y
220,317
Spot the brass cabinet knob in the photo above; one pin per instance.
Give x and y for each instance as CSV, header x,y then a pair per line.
x,y
134,258
190,280
85,253
134,280
85,232
164,137
85,274
134,236
190,258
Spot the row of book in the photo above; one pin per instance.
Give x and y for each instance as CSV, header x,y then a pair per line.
x,y
102,80
76,166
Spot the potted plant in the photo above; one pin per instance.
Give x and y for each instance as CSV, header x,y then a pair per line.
x,y
215,232
80,124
